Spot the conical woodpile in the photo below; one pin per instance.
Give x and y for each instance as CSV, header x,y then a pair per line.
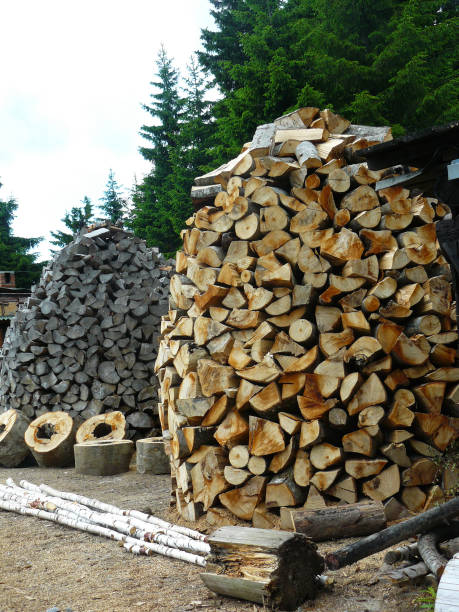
x,y
86,341
309,351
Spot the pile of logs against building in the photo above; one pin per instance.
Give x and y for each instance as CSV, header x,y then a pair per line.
x,y
308,355
86,340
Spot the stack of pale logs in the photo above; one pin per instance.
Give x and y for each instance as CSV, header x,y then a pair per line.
x,y
308,356
87,340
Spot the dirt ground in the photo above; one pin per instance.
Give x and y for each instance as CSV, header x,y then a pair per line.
x,y
43,564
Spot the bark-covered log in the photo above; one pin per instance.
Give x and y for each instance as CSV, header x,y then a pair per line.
x,y
392,535
339,522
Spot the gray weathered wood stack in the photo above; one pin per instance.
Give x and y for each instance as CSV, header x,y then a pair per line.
x,y
86,341
310,350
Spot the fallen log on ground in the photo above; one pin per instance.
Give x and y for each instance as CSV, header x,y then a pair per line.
x,y
336,521
392,535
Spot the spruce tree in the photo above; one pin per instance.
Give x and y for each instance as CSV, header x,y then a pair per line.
x,y
75,220
191,155
14,251
113,205
152,218
391,62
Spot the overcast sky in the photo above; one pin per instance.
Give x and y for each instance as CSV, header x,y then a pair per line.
x,y
73,76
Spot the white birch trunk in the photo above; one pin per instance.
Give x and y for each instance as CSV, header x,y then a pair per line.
x,y
127,525
94,503
70,519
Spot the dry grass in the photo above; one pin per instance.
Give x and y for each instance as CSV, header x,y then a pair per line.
x,y
43,564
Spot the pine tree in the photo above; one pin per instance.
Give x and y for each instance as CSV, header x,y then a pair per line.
x,y
114,206
75,220
14,251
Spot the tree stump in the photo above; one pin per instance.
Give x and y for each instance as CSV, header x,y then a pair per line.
x,y
50,438
283,567
103,458
151,457
13,449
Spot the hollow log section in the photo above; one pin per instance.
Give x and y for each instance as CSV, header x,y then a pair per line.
x,y
111,425
86,340
51,438
311,337
13,449
275,568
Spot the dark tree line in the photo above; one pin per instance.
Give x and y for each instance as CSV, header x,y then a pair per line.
x,y
15,253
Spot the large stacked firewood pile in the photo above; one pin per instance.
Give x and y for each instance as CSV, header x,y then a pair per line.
x,y
86,341
309,351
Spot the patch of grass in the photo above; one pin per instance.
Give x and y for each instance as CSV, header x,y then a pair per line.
x,y
426,600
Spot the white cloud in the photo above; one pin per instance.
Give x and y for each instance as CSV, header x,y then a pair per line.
x,y
73,78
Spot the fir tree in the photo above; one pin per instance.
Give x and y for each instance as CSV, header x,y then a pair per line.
x,y
75,220
14,251
114,206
